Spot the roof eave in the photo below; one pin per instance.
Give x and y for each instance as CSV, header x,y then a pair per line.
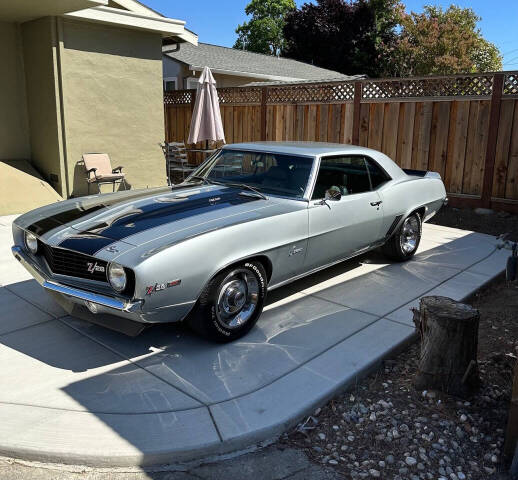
x,y
189,37
167,27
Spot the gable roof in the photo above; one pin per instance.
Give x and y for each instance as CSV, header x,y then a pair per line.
x,y
135,15
136,7
249,64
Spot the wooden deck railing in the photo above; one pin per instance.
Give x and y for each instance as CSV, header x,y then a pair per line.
x,y
465,126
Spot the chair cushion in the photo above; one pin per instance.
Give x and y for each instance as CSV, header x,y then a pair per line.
x,y
101,161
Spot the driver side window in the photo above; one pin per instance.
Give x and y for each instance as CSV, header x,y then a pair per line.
x,y
346,174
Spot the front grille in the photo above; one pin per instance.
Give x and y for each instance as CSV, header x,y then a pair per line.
x,y
66,262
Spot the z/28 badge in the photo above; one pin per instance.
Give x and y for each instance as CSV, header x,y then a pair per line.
x,y
158,287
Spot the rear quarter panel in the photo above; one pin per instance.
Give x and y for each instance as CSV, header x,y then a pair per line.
x,y
407,195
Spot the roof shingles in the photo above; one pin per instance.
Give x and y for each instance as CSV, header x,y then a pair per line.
x,y
242,61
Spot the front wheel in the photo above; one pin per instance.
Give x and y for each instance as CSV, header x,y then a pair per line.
x,y
405,242
230,303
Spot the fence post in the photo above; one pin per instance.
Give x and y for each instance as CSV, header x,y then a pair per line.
x,y
494,120
264,96
166,121
356,112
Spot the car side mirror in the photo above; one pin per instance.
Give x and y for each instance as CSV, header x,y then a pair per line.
x,y
333,194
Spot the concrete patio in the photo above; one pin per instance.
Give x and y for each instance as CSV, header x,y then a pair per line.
x,y
72,392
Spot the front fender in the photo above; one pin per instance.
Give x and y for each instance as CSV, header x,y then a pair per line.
x,y
179,272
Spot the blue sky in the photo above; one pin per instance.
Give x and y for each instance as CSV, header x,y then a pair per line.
x,y
215,21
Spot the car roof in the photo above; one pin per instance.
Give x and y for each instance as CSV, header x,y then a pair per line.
x,y
314,149
300,148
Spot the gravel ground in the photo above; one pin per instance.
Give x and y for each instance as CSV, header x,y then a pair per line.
x,y
384,428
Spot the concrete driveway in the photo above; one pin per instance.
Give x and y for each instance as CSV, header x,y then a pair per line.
x,y
72,392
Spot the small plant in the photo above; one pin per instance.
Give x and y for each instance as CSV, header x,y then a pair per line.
x,y
512,261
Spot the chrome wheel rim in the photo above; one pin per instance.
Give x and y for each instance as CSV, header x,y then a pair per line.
x,y
238,297
409,234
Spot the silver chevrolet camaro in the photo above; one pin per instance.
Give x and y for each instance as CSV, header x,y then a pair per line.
x,y
252,217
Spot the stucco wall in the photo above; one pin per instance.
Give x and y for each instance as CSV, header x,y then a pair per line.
x,y
14,126
41,78
113,101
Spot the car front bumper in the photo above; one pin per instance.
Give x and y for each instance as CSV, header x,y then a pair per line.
x,y
97,308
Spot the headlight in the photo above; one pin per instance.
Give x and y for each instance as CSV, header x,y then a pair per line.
x,y
31,242
117,276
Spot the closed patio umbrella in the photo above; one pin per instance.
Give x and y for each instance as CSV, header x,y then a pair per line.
x,y
206,118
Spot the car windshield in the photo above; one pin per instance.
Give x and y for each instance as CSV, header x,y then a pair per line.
x,y
269,173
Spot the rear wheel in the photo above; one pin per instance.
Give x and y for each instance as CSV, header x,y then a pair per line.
x,y
230,303
405,242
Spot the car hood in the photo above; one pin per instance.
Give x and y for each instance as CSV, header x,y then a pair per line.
x,y
123,222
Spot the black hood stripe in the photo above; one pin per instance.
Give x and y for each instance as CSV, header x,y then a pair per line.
x,y
47,224
87,244
76,212
153,214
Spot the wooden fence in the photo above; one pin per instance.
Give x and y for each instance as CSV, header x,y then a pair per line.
x,y
465,127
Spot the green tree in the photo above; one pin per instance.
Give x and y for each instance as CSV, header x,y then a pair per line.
x,y
443,42
264,32
349,36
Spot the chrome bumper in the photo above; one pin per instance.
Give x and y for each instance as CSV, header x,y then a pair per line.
x,y
43,279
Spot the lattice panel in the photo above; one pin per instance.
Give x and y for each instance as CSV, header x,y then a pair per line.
x,y
179,97
480,85
248,95
511,84
321,93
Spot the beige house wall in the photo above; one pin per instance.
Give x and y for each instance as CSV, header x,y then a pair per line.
x,y
14,125
42,87
71,87
112,101
182,72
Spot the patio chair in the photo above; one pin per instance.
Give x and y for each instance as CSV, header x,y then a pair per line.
x,y
177,164
99,171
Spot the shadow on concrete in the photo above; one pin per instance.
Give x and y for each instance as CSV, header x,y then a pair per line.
x,y
22,188
170,372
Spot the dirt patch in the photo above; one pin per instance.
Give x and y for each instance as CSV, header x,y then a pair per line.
x,y
384,428
495,223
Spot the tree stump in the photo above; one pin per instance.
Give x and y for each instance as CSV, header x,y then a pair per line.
x,y
449,341
511,437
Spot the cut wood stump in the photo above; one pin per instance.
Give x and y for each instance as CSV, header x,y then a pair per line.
x,y
449,341
511,437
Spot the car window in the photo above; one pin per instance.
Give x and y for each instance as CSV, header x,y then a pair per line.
x,y
272,173
348,174
376,173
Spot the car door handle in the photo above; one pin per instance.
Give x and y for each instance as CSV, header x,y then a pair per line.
x,y
375,204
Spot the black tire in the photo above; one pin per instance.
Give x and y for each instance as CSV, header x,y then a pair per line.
x,y
210,319
396,248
